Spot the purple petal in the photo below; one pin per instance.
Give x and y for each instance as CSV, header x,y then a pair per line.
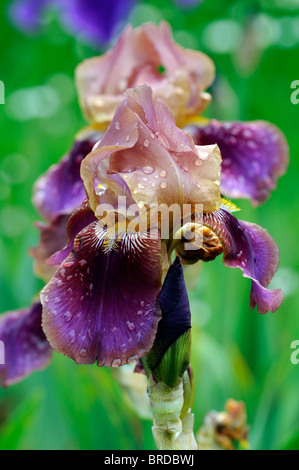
x,y
25,346
52,239
60,190
254,155
27,14
101,303
249,247
80,219
96,21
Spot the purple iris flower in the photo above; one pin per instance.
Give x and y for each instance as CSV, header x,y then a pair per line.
x,y
96,21
104,298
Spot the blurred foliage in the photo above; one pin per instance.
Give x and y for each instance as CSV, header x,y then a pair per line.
x,y
236,352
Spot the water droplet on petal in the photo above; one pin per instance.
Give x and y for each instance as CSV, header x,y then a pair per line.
x,y
163,185
72,336
163,173
116,362
133,359
148,170
117,126
69,264
83,352
131,326
146,143
198,162
68,316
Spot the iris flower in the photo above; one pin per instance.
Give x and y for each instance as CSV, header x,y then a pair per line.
x,y
101,301
97,22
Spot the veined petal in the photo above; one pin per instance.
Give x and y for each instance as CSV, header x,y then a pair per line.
x,y
60,190
101,303
26,348
249,247
254,155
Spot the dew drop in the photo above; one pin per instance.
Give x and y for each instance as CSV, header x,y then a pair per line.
x,y
146,143
148,170
133,359
117,126
198,162
131,326
72,336
140,186
68,316
116,362
69,264
163,173
83,352
163,185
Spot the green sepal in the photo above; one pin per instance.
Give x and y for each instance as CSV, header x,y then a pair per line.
x,y
174,362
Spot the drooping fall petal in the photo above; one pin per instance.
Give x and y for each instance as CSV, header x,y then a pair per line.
x,y
101,303
254,155
249,247
26,348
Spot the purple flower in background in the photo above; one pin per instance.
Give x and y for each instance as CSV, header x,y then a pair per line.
x,y
26,346
95,21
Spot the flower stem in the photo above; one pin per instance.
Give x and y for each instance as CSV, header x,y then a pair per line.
x,y
171,430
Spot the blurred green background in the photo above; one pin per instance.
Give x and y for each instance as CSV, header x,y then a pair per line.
x,y
236,352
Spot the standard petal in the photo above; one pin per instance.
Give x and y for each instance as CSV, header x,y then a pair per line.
x,y
26,348
101,303
254,155
158,161
60,190
146,55
249,247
